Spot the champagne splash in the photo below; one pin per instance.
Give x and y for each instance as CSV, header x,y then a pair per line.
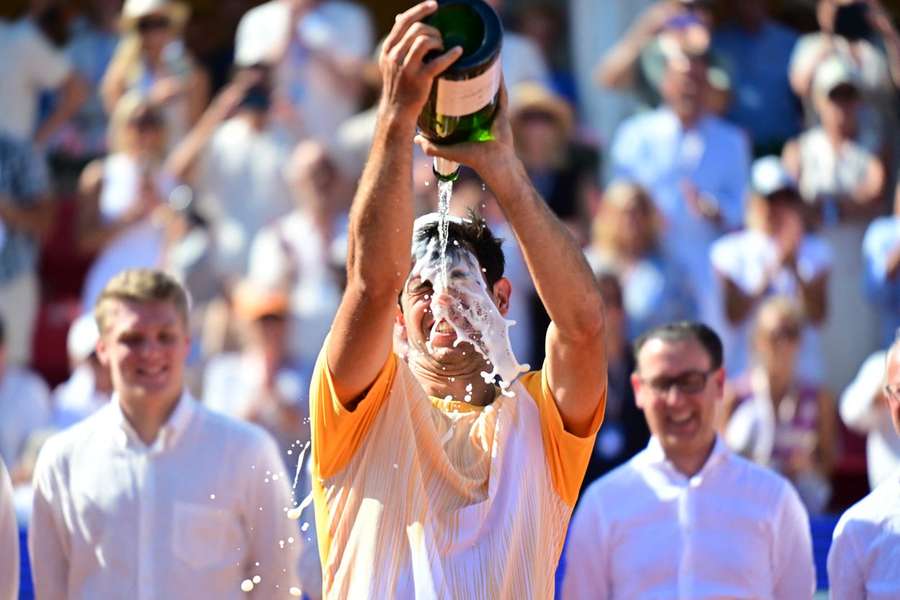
x,y
461,299
445,192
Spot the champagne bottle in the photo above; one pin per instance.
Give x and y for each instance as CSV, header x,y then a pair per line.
x,y
464,98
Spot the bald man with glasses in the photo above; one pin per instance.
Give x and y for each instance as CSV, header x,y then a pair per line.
x,y
686,517
864,560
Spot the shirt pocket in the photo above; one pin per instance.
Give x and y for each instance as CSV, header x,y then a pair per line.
x,y
200,535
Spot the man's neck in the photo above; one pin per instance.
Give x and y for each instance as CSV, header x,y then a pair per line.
x,y
464,386
147,416
689,464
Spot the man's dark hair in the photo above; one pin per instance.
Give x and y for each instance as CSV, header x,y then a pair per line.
x,y
475,236
680,331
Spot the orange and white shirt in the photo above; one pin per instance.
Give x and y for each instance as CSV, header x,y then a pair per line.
x,y
429,498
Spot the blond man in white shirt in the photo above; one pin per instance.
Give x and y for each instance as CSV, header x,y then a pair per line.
x,y
154,496
686,517
864,561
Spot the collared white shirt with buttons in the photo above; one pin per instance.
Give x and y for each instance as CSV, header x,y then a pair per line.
x,y
733,530
864,560
190,516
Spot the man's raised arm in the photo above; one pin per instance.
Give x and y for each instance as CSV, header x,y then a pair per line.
x,y
576,358
378,256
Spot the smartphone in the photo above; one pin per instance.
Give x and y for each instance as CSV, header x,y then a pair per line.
x,y
851,21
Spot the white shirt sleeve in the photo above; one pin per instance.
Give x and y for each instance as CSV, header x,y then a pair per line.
x,y
48,66
9,540
265,519
858,409
792,557
47,538
587,554
845,576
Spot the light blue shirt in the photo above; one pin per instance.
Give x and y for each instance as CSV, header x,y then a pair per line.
x,y
654,150
882,237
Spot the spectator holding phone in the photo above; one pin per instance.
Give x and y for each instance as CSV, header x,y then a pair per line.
x,y
846,32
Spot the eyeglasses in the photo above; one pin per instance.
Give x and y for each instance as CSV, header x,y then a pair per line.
x,y
892,392
153,23
689,382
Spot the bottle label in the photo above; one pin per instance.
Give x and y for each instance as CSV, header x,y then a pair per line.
x,y
467,96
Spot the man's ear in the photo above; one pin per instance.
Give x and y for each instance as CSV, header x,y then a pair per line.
x,y
636,386
102,352
502,292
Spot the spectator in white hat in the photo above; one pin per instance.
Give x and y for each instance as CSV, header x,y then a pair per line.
x,y
773,255
152,60
318,49
89,386
864,559
842,184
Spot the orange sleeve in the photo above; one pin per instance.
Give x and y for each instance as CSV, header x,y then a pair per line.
x,y
337,433
567,454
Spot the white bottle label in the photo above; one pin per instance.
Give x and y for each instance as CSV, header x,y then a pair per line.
x,y
461,98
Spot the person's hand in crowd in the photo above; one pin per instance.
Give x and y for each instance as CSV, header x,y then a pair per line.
x,y
166,89
654,19
487,158
406,76
893,263
700,204
880,19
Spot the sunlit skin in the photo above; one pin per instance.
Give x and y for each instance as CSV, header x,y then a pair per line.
x,y
154,41
683,423
145,346
892,379
777,345
444,369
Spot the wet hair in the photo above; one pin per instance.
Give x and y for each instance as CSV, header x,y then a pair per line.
x,y
681,331
475,236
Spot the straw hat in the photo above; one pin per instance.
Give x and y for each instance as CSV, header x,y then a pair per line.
x,y
533,96
136,9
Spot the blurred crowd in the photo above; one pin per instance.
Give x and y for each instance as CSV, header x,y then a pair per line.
x,y
753,187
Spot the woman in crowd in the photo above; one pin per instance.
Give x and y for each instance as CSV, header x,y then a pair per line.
x,y
151,60
122,197
842,184
774,416
626,240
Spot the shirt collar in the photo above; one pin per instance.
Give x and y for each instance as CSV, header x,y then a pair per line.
x,y
655,456
169,433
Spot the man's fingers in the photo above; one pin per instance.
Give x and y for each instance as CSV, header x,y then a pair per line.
x,y
454,152
405,20
421,46
418,30
439,64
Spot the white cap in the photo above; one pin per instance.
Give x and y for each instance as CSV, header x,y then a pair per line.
x,y
135,9
769,176
82,338
832,73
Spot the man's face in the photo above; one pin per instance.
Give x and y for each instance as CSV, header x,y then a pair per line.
x,y
437,339
145,345
679,395
892,385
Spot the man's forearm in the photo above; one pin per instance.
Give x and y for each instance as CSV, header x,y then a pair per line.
x,y
561,275
35,221
72,95
381,215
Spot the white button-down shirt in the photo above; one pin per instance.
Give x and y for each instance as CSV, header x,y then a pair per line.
x,y
733,530
190,516
864,561
9,539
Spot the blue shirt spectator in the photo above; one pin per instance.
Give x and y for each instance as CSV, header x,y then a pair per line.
x,y
881,257
757,55
694,165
